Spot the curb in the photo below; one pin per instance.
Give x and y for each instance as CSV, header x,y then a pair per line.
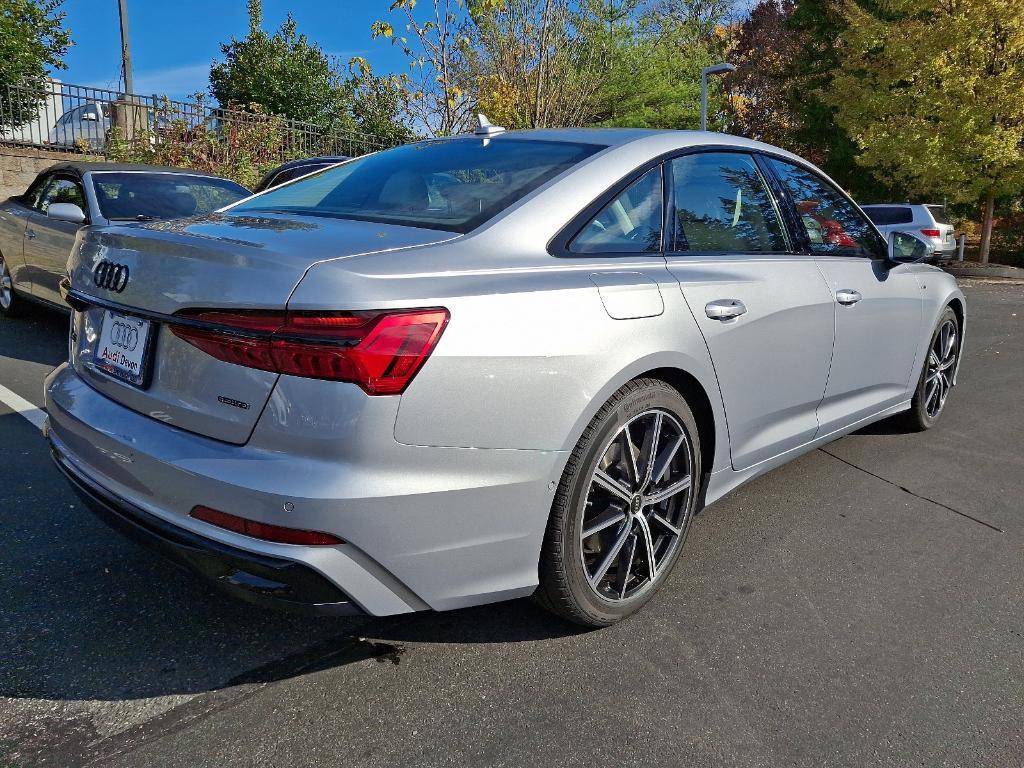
x,y
995,271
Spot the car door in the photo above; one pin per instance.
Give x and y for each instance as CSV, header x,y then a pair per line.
x,y
762,306
14,218
878,306
48,242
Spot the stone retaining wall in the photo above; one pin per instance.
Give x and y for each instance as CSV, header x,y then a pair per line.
x,y
20,165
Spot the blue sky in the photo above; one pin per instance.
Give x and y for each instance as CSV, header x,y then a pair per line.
x,y
174,41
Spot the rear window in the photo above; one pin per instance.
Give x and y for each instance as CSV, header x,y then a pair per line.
x,y
141,196
938,213
889,214
452,185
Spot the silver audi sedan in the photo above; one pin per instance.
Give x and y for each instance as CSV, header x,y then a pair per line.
x,y
484,367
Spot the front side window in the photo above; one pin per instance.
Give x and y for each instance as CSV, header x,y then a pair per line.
x,y
631,223
833,224
61,190
400,186
722,204
156,196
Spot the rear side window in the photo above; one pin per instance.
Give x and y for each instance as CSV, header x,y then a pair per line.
x,y
451,184
889,214
722,204
139,196
294,173
631,223
834,225
33,193
938,213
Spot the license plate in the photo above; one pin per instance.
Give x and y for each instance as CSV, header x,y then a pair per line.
x,y
123,347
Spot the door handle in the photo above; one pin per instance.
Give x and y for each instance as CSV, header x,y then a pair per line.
x,y
30,234
847,296
724,309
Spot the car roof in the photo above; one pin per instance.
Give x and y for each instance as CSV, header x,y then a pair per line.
x,y
903,205
85,167
613,137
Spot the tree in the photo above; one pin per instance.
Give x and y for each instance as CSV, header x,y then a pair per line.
x,y
930,91
817,26
765,47
377,104
434,93
655,53
535,63
284,73
544,63
33,41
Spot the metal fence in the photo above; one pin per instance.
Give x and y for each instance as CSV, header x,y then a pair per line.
x,y
61,117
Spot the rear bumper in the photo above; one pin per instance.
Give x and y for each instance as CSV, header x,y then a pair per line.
x,y
272,581
423,527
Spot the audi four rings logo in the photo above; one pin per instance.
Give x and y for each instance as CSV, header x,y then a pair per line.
x,y
124,336
113,277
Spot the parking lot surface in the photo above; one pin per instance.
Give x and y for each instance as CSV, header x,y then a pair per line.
x,y
863,605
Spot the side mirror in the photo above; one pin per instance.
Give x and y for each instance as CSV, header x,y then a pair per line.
x,y
905,248
65,212
91,116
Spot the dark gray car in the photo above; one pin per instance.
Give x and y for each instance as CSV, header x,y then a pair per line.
x,y
38,228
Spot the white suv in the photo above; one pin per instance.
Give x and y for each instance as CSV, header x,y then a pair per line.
x,y
927,221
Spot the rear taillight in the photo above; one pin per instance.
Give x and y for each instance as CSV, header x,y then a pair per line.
x,y
930,232
379,351
265,531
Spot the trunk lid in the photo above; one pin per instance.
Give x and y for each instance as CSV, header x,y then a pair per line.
x,y
220,262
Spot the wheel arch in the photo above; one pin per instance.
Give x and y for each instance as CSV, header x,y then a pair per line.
x,y
697,385
697,398
957,304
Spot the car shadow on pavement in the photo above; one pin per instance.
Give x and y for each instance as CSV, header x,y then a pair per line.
x,y
35,335
87,615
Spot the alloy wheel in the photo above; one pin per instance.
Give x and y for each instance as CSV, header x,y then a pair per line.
x,y
635,511
939,375
6,286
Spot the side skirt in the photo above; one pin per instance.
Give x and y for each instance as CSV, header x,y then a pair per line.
x,y
725,480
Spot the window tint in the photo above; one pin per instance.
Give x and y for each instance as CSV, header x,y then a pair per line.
x,y
149,196
61,190
395,186
723,204
938,213
294,173
631,223
32,194
834,226
889,214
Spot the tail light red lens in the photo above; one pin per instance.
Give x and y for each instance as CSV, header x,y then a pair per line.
x,y
265,531
930,232
379,351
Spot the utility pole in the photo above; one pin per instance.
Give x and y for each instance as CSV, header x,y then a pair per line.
x,y
717,69
126,48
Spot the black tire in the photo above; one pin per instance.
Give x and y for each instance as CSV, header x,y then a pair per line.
x,y
565,588
10,304
918,419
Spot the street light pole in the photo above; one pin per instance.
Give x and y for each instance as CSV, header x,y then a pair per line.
x,y
716,69
126,48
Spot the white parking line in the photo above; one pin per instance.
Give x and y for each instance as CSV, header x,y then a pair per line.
x,y
19,404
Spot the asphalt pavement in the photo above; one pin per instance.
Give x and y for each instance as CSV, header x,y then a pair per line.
x,y
863,605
